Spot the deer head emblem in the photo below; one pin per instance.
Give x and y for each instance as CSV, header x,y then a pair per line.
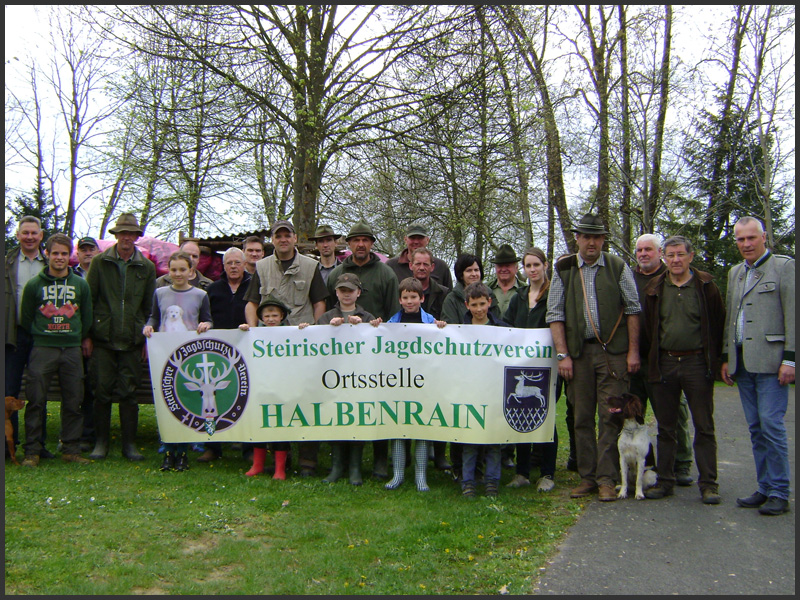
x,y
207,378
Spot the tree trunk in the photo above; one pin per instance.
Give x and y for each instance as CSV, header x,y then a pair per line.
x,y
655,178
627,171
555,179
713,223
520,164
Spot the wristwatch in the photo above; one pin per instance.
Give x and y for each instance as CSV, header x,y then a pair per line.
x,y
562,355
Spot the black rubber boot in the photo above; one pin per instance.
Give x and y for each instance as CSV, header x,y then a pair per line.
x,y
102,427
440,456
337,465
356,451
380,459
129,421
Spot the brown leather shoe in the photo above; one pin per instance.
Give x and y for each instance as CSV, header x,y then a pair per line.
x,y
208,456
31,460
586,488
607,493
75,458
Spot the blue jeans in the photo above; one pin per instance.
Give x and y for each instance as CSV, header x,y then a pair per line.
x,y
764,402
470,459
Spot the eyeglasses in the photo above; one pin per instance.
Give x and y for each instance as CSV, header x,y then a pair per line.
x,y
679,255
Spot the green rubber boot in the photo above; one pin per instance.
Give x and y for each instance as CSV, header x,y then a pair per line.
x,y
356,451
337,466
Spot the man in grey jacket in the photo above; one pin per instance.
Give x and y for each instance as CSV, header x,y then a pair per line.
x,y
23,263
758,353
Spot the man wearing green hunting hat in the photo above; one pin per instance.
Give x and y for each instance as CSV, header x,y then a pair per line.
x,y
379,296
324,239
593,310
122,282
506,280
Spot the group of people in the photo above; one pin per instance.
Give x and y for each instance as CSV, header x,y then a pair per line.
x,y
660,330
666,331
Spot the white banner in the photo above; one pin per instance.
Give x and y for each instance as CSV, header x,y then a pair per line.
x,y
464,383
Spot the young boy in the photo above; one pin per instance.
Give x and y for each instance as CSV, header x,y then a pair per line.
x,y
478,301
56,309
411,297
348,290
272,313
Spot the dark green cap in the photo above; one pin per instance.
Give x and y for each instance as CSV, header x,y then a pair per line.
x,y
505,255
591,225
271,300
324,231
360,228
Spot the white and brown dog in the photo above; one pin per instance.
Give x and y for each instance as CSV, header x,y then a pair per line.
x,y
173,319
633,444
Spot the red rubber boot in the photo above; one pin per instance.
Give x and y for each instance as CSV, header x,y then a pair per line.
x,y
259,456
280,464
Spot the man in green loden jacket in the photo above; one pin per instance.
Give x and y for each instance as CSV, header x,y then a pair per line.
x,y
379,296
122,282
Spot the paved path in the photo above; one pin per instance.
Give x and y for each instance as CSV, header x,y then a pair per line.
x,y
679,545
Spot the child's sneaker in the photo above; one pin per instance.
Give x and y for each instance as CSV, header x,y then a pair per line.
x,y
469,490
491,489
182,462
169,461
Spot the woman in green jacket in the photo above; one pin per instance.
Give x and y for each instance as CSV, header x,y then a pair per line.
x,y
468,269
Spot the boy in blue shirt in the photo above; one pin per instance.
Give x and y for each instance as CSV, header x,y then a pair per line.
x,y
411,297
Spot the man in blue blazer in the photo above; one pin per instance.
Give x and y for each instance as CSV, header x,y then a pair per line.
x,y
759,356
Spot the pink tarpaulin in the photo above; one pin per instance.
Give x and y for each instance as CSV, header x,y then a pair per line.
x,y
156,250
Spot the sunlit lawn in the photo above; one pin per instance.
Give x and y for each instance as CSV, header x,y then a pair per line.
x,y
115,527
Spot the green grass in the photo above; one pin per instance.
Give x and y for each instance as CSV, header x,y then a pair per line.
x,y
116,527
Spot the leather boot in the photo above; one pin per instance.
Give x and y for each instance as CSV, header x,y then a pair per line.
x,y
169,461
129,421
102,427
337,464
356,450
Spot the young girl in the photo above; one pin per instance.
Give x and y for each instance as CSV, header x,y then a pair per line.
x,y
179,307
527,309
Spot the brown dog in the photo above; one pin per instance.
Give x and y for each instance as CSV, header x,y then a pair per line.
x,y
12,405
